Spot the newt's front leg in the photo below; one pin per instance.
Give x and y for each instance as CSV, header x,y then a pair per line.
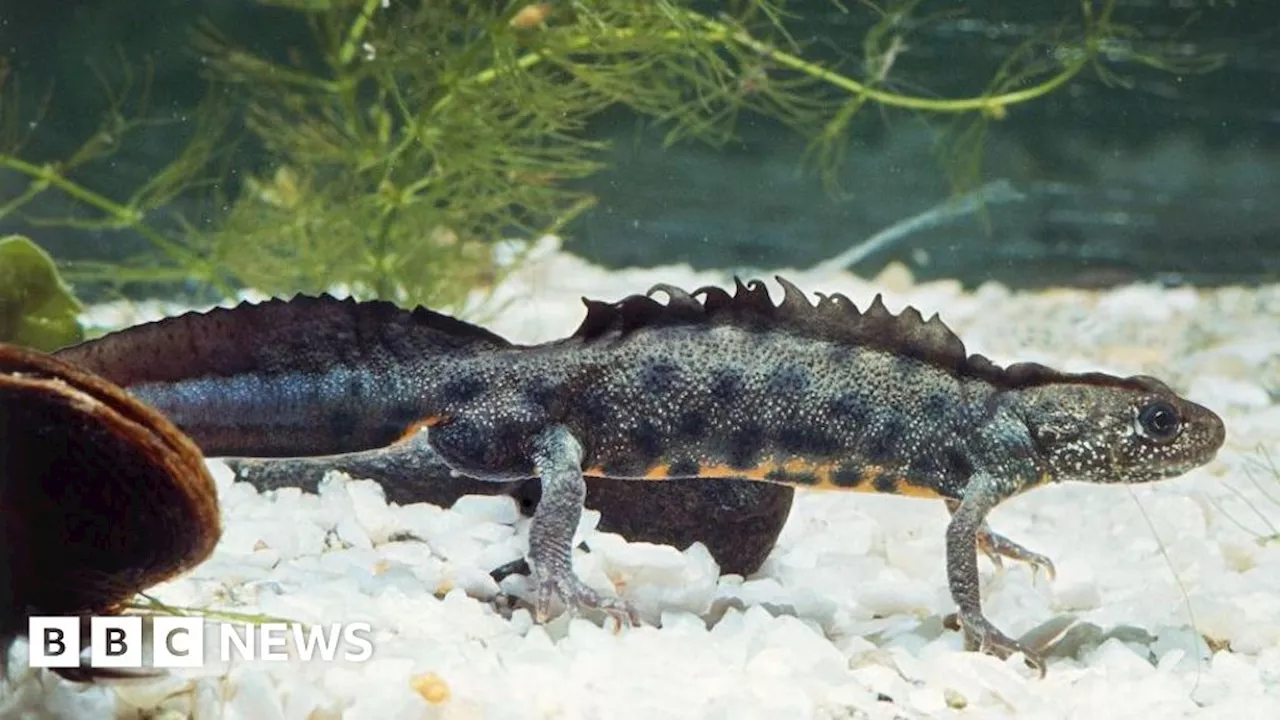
x,y
967,521
558,461
996,546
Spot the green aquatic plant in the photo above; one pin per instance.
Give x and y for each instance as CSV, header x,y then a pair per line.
x,y
173,259
37,309
436,129
410,136
1043,64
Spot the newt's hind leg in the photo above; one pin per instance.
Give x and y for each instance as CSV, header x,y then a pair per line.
x,y
558,462
996,546
968,519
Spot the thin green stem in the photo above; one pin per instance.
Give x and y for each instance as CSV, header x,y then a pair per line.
x,y
46,174
33,189
159,607
956,105
487,76
381,280
348,50
123,215
722,33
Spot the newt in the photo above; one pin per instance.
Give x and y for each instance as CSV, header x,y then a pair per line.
x,y
710,385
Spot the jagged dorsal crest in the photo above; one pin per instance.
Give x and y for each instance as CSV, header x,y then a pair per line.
x,y
834,317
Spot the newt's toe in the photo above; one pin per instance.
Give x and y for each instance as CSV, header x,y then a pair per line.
x,y
996,547
982,636
577,597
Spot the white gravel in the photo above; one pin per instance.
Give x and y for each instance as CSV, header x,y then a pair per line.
x,y
843,621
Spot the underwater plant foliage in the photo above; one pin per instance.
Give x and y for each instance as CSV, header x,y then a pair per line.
x,y
440,128
411,136
37,309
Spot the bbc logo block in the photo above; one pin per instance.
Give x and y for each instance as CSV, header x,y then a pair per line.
x,y
179,642
109,644
55,642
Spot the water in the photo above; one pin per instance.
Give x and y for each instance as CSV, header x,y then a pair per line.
x,y
488,160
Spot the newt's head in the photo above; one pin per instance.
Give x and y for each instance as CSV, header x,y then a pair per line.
x,y
1113,430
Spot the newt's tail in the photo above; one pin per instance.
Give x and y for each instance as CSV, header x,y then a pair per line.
x,y
285,378
304,334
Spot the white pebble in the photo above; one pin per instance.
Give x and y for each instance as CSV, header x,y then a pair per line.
x,y
1119,660
369,503
500,509
256,697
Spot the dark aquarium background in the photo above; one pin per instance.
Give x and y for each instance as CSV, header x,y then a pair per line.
x,y
148,153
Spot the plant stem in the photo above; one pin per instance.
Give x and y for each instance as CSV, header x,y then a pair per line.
x,y
123,215
382,287
721,33
957,105
348,50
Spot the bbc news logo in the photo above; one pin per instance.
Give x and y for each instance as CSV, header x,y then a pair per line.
x,y
179,642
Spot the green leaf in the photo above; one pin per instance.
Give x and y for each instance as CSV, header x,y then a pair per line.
x,y
37,309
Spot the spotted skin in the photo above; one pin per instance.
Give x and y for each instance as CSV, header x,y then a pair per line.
x,y
872,423
823,396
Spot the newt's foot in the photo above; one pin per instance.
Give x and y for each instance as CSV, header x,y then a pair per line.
x,y
578,596
981,636
996,546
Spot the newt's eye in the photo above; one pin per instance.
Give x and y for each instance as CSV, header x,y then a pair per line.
x,y
1159,421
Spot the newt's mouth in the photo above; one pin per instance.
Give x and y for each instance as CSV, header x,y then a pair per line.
x,y
1207,434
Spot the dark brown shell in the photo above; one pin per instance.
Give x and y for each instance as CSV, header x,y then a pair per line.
x,y
101,497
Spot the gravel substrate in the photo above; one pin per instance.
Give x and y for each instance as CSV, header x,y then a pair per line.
x,y
1175,585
